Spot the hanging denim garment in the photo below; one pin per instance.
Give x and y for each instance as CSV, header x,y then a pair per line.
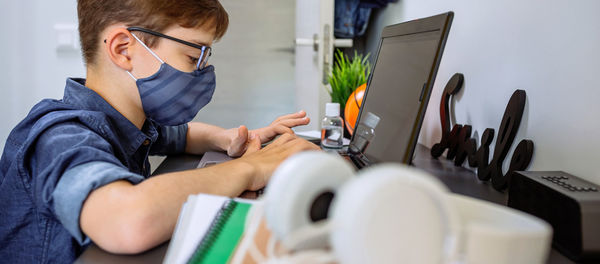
x,y
352,16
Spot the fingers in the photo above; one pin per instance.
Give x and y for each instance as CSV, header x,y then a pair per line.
x,y
253,145
300,144
291,147
243,132
282,125
268,133
299,114
284,138
294,122
280,130
238,144
270,157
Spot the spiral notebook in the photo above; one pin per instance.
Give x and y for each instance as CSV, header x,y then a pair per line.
x,y
208,230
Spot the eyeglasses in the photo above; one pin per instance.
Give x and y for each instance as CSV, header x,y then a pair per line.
x,y
204,55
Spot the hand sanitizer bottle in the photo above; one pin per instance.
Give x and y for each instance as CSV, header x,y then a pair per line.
x,y
365,132
332,130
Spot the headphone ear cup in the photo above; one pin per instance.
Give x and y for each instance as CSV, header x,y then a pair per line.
x,y
300,193
392,213
496,234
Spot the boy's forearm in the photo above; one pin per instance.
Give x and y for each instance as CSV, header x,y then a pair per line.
x,y
125,218
204,137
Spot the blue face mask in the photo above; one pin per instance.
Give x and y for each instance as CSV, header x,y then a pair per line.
x,y
172,97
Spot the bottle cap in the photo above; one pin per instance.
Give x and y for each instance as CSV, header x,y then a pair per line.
x,y
332,109
371,120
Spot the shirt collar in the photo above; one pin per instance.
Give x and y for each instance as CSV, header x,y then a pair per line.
x,y
129,135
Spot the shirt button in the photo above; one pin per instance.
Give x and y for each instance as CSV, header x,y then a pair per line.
x,y
146,142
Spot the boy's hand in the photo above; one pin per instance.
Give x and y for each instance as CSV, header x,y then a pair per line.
x,y
240,137
266,160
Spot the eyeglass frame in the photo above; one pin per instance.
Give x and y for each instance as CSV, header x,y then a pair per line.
x,y
187,43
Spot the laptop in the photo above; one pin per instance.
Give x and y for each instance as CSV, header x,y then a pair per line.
x,y
397,93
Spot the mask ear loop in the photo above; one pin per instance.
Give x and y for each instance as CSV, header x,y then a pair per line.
x,y
149,50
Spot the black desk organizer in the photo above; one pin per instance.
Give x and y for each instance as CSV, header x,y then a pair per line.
x,y
571,205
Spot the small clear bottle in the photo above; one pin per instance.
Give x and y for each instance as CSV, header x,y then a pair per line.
x,y
365,132
332,130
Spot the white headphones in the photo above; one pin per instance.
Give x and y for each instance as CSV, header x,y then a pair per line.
x,y
321,212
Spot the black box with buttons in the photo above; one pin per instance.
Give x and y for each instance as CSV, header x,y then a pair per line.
x,y
570,204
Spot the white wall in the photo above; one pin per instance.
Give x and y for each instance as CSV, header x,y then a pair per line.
x,y
550,49
30,66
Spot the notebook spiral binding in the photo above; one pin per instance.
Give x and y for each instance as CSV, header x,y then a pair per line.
x,y
215,228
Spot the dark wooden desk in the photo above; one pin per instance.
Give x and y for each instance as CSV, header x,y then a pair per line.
x,y
458,179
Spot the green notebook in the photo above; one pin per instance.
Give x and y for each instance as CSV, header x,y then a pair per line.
x,y
209,229
218,244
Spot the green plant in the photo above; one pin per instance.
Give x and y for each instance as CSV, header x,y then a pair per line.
x,y
347,75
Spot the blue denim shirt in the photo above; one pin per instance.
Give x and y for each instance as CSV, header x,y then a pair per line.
x,y
62,151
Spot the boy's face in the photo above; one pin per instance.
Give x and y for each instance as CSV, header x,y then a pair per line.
x,y
179,56
122,53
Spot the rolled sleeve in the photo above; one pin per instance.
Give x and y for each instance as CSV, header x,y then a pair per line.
x,y
77,183
171,140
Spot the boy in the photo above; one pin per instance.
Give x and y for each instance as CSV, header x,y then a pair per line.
x,y
76,170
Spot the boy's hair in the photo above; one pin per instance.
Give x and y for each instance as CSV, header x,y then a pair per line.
x,y
158,15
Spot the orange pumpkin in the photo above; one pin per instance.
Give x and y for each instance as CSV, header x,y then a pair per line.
x,y
353,107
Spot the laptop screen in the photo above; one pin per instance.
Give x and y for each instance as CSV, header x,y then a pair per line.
x,y
398,93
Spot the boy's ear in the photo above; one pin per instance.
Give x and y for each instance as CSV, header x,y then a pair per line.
x,y
118,45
